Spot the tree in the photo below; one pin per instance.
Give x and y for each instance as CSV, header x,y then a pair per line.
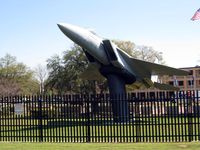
x,y
146,53
64,74
41,75
15,77
127,46
55,79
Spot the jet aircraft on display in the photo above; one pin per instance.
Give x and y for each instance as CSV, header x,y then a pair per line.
x,y
106,58
118,67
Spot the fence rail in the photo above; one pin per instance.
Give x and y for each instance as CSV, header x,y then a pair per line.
x,y
153,117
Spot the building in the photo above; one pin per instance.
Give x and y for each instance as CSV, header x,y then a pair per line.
x,y
190,82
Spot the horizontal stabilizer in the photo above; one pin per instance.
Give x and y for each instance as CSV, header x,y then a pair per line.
x,y
136,86
168,87
160,86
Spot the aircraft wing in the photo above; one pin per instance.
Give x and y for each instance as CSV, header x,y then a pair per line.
x,y
157,69
151,68
92,73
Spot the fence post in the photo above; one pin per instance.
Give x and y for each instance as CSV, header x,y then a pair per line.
x,y
88,118
190,119
137,120
40,119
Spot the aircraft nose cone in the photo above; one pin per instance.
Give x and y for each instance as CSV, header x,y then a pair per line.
x,y
86,40
63,26
66,28
75,33
60,25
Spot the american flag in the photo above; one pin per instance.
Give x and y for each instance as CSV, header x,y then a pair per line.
x,y
196,16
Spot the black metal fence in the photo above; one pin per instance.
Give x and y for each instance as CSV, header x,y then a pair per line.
x,y
153,117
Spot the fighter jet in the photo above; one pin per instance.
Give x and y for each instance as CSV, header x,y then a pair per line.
x,y
106,58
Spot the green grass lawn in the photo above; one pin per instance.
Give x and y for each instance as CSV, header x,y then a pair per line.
x,y
99,146
152,129
57,130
